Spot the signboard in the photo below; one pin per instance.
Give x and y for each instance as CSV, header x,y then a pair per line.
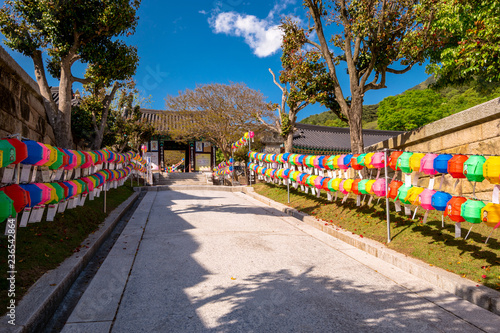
x,y
202,162
199,147
154,160
154,145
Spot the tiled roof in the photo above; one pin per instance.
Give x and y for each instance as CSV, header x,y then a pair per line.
x,y
162,120
334,138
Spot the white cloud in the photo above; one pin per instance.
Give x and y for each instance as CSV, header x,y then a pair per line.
x,y
262,35
203,12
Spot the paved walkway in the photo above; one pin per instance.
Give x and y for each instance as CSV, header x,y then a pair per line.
x,y
203,261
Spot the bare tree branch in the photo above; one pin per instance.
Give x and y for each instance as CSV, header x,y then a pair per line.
x,y
399,71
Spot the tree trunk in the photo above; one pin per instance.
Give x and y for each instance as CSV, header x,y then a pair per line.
x,y
356,124
64,135
289,142
99,134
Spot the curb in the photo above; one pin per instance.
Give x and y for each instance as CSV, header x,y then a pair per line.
x,y
191,188
479,295
43,298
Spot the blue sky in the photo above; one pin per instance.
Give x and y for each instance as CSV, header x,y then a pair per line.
x,y
185,43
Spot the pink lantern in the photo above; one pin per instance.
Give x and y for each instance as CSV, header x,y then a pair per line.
x,y
45,193
341,164
378,161
426,199
379,187
318,182
341,187
427,164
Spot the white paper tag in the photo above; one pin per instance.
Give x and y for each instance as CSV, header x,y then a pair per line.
x,y
358,200
33,175
8,174
336,195
397,205
25,173
378,174
431,183
415,214
82,200
78,172
62,206
306,189
39,213
25,217
345,198
495,196
302,188
407,179
34,214
45,174
329,196
370,200
360,175
318,193
458,230
85,172
407,210
51,212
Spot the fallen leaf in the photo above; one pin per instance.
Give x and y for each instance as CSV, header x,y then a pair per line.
x,y
483,276
232,278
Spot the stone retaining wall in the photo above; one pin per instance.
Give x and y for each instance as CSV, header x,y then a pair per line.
x,y
472,131
21,105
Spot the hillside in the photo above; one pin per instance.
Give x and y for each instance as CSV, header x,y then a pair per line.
x,y
416,106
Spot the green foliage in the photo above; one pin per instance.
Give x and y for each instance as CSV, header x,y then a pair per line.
x,y
415,108
466,41
329,118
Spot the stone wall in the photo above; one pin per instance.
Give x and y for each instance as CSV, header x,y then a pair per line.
x,y
21,105
472,131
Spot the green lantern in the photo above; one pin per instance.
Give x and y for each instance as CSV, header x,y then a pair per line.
x,y
471,211
404,162
473,168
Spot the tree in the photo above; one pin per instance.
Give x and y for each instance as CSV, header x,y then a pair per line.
x,y
111,118
67,32
374,34
218,113
467,41
305,79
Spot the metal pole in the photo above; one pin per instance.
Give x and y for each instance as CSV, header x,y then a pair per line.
x,y
288,189
249,149
388,215
233,165
105,185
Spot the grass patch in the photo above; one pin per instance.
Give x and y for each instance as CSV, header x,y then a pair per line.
x,y
42,246
471,258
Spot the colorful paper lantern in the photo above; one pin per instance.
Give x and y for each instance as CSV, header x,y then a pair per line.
x,y
415,161
21,150
354,162
378,160
18,195
35,194
394,188
335,184
427,164
473,168
369,186
341,187
413,195
456,166
490,214
491,169
471,211
347,160
362,186
355,187
453,209
6,207
441,163
367,162
348,185
7,153
440,200
404,162
378,188
403,194
426,199
392,162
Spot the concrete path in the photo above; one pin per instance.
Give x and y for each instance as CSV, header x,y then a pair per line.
x,y
204,261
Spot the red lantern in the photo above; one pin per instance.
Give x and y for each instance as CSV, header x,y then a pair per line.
x,y
456,166
454,209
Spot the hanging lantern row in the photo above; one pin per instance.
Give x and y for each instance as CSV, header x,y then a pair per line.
x,y
29,152
173,168
243,141
474,168
457,208
31,199
224,164
222,172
